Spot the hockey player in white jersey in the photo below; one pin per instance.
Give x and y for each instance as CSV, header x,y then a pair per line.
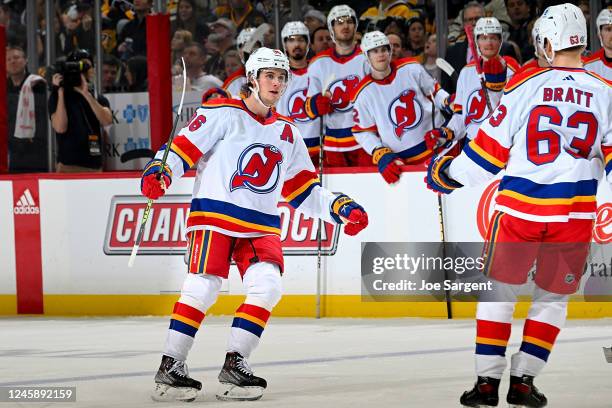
x,y
296,41
601,61
538,60
392,108
333,75
247,157
552,133
470,103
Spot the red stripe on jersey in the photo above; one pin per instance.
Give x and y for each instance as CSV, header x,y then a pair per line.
x,y
224,223
296,182
493,330
546,210
255,311
357,129
492,146
185,146
522,77
236,74
188,312
347,142
540,330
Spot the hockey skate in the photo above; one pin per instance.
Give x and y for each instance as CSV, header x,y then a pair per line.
x,y
172,382
523,394
238,382
484,394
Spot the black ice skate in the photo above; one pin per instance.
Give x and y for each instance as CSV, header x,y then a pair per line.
x,y
484,394
172,382
523,394
238,382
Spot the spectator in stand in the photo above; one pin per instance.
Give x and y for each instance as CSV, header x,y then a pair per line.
x,y
15,31
27,115
187,19
375,16
429,58
136,74
520,13
396,41
111,74
219,41
314,19
180,39
321,40
243,15
416,38
77,117
269,40
108,37
459,54
133,36
76,35
198,80
231,62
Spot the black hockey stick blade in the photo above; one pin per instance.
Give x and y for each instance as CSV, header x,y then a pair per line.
x,y
137,154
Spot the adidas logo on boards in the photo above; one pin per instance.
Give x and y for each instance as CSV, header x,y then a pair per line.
x,y
26,204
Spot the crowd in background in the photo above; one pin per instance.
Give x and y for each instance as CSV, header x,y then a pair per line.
x,y
204,33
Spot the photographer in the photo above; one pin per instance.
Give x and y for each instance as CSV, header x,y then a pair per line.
x,y
77,116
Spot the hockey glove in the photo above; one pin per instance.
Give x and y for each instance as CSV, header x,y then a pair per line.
x,y
346,211
494,70
435,139
318,105
437,179
151,184
447,108
389,164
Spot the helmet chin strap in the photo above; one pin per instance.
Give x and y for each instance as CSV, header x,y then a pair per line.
x,y
550,60
255,92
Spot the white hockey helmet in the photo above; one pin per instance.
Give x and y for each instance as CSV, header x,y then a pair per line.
x,y
336,12
535,33
295,28
263,58
373,39
604,18
244,36
485,26
564,27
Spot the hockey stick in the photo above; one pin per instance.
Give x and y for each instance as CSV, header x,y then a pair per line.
x,y
447,68
147,211
469,31
328,81
449,310
137,154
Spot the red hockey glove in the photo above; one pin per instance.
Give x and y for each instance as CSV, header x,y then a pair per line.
x,y
346,211
494,70
435,139
318,105
389,164
150,185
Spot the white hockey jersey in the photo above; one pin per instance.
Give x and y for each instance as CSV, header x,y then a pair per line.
x,y
292,104
396,111
234,82
552,132
343,72
598,64
470,105
244,165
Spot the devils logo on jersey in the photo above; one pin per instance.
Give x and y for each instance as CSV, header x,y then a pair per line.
x,y
341,91
258,169
295,106
477,110
405,112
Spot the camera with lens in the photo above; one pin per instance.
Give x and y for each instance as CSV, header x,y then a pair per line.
x,y
78,62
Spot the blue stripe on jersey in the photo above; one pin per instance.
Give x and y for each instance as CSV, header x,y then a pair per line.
x,y
609,167
346,132
186,165
244,214
479,160
490,350
413,151
556,190
312,142
297,201
536,351
182,328
244,324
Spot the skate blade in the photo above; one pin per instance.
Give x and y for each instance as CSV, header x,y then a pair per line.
x,y
232,392
479,406
608,353
166,393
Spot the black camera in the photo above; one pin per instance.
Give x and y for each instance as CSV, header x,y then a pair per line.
x,y
71,71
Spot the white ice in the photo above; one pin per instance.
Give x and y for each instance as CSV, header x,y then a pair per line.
x,y
308,363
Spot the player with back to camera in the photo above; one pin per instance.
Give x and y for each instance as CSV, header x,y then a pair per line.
x,y
247,157
470,102
392,108
552,134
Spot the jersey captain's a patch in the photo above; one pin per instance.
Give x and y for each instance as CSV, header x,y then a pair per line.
x,y
258,169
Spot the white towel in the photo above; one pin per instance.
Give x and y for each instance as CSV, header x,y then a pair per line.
x,y
25,125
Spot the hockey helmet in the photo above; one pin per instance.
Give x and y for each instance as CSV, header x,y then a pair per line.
x,y
295,28
337,12
604,18
535,33
563,26
244,36
373,39
487,25
266,58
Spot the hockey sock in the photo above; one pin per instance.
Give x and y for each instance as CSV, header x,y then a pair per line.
x,y
491,342
247,327
538,341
